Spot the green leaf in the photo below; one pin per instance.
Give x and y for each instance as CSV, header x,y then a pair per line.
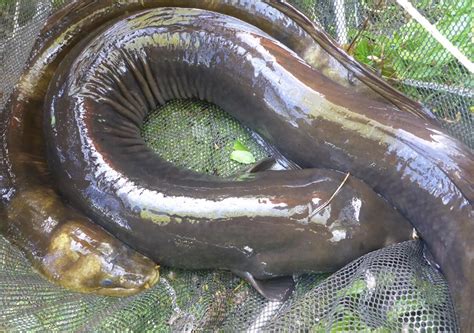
x,y
240,146
242,156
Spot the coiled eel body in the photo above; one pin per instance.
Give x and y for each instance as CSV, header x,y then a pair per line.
x,y
300,111
179,218
205,222
312,119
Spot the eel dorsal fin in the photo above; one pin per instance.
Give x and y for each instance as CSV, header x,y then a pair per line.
x,y
275,289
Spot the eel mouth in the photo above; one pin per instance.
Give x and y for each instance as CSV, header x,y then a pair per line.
x,y
131,287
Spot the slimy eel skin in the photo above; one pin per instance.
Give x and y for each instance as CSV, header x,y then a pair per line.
x,y
422,171
261,225
49,229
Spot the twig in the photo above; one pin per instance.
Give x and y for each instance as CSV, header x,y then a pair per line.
x,y
327,202
359,33
242,282
364,26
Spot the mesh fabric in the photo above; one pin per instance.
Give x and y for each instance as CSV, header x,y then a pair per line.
x,y
393,289
385,38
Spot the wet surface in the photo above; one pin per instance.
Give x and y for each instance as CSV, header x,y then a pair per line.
x,y
143,61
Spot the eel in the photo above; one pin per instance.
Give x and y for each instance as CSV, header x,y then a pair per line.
x,y
94,110
389,142
351,223
148,58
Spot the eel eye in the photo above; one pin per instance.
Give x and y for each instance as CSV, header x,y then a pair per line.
x,y
106,283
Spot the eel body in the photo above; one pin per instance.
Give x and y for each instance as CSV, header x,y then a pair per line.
x,y
136,63
424,173
95,109
27,184
415,165
317,48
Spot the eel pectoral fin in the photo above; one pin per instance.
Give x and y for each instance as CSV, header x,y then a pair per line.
x,y
268,163
275,289
272,163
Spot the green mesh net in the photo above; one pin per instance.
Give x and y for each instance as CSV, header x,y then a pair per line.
x,y
393,289
199,136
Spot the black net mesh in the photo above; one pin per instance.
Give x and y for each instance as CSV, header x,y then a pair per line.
x,y
393,289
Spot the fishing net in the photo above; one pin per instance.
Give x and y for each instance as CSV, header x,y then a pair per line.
x,y
393,289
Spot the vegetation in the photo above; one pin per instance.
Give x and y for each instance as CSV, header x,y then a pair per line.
x,y
409,52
